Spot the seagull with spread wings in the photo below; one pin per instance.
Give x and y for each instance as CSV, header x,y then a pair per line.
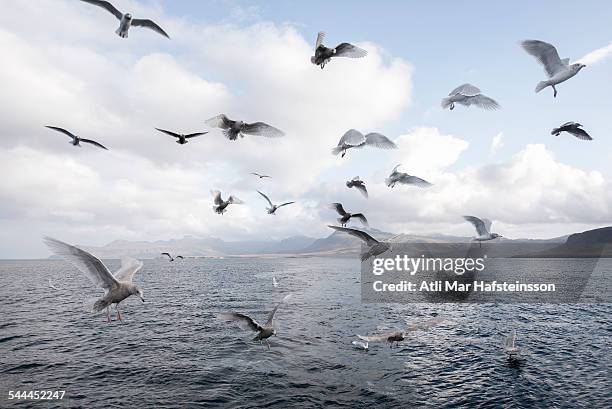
x,y
572,128
170,258
181,138
118,286
220,205
355,139
357,184
483,229
323,54
245,322
125,20
468,94
398,336
259,175
272,209
405,179
557,69
232,129
346,216
76,140
374,246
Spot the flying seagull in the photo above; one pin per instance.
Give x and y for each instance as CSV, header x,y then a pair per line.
x,y
405,179
574,129
231,128
557,69
355,139
220,205
126,20
346,216
272,209
375,247
172,258
245,322
468,94
509,344
323,55
397,336
76,141
357,184
118,286
181,138
260,175
483,229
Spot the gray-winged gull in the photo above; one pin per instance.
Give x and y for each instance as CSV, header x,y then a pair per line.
x,y
483,229
572,128
323,54
220,205
76,140
273,208
353,139
232,129
468,94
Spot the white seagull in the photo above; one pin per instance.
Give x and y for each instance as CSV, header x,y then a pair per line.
x,y
355,139
220,205
483,229
273,208
509,344
557,69
361,345
468,94
126,20
405,179
76,140
232,129
118,286
323,54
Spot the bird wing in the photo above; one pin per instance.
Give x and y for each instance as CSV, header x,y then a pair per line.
x,y
570,123
271,315
482,101
193,135
217,197
362,189
468,90
338,207
244,321
181,257
379,141
86,262
413,180
361,218
395,168
284,204
370,241
106,5
350,51
167,254
320,38
256,174
169,133
219,121
234,200
351,137
62,130
546,54
99,145
262,129
479,224
266,197
129,267
139,22
580,133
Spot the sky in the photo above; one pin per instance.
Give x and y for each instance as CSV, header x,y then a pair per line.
x,y
64,66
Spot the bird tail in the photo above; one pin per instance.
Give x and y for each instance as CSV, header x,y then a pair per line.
x,y
541,85
121,33
388,182
313,59
446,103
337,150
555,132
100,304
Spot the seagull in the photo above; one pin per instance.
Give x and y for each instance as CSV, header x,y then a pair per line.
x,y
323,55
483,229
53,285
358,184
118,286
231,128
274,282
172,258
574,129
346,216
76,141
220,206
509,344
375,247
405,179
272,209
355,139
182,138
260,175
361,345
468,94
126,20
557,69
398,336
245,322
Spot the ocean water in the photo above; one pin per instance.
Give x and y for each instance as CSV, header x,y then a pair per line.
x,y
173,352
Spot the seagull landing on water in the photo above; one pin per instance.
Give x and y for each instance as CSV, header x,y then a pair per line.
x,y
181,138
468,94
76,140
355,139
572,128
273,208
245,322
126,20
118,286
398,336
374,246
509,344
220,205
361,345
483,229
170,258
405,179
346,216
358,184
557,69
323,54
232,129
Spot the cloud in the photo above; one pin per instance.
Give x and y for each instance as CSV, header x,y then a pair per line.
x,y
596,56
497,142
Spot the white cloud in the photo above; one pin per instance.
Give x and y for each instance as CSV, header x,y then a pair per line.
x,y
597,55
497,142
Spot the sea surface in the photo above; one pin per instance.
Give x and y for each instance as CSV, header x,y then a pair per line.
x,y
173,352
